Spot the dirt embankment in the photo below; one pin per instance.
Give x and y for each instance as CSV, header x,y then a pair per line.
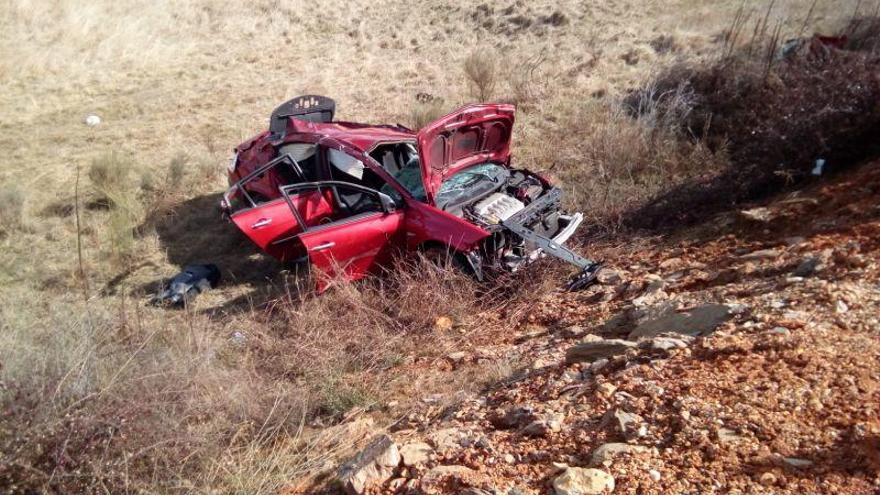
x,y
772,388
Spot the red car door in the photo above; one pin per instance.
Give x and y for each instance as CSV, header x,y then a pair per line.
x,y
258,208
265,224
271,224
359,236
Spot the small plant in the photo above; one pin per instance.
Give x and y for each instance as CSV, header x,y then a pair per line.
x,y
479,67
176,171
11,206
109,175
423,113
336,397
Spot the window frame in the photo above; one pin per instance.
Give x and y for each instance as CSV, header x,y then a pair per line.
x,y
287,190
403,191
239,186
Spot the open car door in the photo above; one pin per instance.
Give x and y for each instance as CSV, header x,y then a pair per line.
x,y
258,208
358,235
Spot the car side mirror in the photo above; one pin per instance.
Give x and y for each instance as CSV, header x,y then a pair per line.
x,y
388,204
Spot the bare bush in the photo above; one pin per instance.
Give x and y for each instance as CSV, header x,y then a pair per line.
x,y
863,33
479,68
523,81
423,113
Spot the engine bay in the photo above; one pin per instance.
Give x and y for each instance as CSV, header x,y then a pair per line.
x,y
507,195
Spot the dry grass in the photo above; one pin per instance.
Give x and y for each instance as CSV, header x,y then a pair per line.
x,y
423,113
621,156
110,176
11,208
111,395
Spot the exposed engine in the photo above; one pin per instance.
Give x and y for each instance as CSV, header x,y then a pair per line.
x,y
518,190
497,208
505,201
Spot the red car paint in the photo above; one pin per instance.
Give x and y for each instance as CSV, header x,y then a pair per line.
x,y
307,222
474,134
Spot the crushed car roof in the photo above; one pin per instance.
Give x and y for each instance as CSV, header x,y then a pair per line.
x,y
360,136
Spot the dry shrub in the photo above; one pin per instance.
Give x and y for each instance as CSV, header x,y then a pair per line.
x,y
863,33
422,290
664,43
336,344
612,156
776,121
99,401
480,70
110,175
11,208
423,113
523,81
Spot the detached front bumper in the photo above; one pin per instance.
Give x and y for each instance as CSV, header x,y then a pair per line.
x,y
553,247
572,222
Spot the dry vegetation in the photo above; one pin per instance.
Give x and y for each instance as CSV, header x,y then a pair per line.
x,y
102,393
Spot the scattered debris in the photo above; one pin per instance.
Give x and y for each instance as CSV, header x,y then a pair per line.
x,y
797,463
760,214
443,323
186,285
92,120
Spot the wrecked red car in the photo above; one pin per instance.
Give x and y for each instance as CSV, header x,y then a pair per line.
x,y
345,196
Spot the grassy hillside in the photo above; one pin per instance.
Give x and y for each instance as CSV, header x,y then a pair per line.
x,y
101,392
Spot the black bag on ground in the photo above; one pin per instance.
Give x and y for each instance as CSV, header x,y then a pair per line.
x,y
186,285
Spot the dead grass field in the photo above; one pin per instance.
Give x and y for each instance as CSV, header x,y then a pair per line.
x,y
237,394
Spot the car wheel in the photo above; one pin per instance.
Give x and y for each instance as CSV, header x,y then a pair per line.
x,y
447,258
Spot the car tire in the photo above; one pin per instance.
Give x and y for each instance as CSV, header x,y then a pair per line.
x,y
445,258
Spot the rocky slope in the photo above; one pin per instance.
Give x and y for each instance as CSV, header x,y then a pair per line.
x,y
739,357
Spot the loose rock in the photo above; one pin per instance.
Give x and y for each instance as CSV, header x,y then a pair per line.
x,y
630,425
605,454
597,349
581,481
371,466
807,267
701,320
415,453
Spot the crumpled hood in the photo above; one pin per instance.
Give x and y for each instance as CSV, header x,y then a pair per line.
x,y
470,135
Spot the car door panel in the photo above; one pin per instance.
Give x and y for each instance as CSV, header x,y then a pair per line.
x,y
347,244
271,222
354,247
425,223
266,223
